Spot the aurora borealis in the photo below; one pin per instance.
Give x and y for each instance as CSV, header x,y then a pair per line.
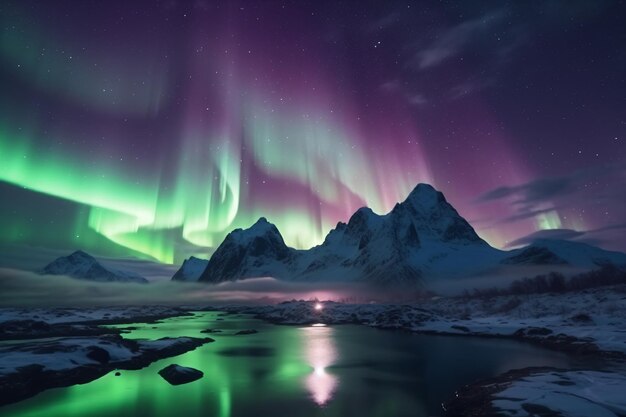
x,y
152,129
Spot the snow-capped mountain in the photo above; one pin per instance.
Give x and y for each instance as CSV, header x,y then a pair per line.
x,y
81,265
565,252
421,238
254,252
190,270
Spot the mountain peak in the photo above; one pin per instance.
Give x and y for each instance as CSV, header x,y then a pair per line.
x,y
425,195
434,217
243,248
79,254
260,228
81,265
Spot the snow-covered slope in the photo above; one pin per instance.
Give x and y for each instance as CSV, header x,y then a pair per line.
x,y
190,270
424,235
553,251
422,238
84,266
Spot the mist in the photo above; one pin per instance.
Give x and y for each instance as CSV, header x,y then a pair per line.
x,y
29,289
26,288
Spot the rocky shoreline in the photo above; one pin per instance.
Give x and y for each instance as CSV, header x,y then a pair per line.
x,y
546,392
73,348
420,320
92,358
589,324
476,399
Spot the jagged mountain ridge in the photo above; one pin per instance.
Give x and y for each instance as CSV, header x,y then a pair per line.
x,y
81,265
421,237
417,237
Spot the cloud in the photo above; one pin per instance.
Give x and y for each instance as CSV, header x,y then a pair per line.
x,y
417,99
391,86
592,191
469,86
559,234
452,41
395,87
529,195
534,191
568,234
385,21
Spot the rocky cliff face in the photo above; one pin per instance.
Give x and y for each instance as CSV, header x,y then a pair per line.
x,y
257,251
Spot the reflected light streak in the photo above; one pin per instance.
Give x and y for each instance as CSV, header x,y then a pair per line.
x,y
320,354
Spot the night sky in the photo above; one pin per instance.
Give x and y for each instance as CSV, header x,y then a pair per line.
x,y
153,128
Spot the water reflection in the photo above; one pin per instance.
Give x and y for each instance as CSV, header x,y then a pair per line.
x,y
320,353
290,371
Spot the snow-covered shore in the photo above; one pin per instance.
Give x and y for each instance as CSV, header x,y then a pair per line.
x,y
48,348
590,321
569,393
117,314
543,392
29,367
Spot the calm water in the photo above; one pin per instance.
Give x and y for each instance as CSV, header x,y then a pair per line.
x,y
293,371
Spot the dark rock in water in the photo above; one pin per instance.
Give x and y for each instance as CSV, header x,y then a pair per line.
x,y
118,373
177,375
98,354
211,331
247,331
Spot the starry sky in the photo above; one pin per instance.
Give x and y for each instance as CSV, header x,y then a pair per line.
x,y
151,129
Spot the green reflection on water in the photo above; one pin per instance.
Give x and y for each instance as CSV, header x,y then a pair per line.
x,y
230,363
291,371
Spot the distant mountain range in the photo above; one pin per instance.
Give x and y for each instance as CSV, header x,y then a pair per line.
x,y
83,266
422,237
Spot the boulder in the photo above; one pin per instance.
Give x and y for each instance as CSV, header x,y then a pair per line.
x,y
247,331
177,375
